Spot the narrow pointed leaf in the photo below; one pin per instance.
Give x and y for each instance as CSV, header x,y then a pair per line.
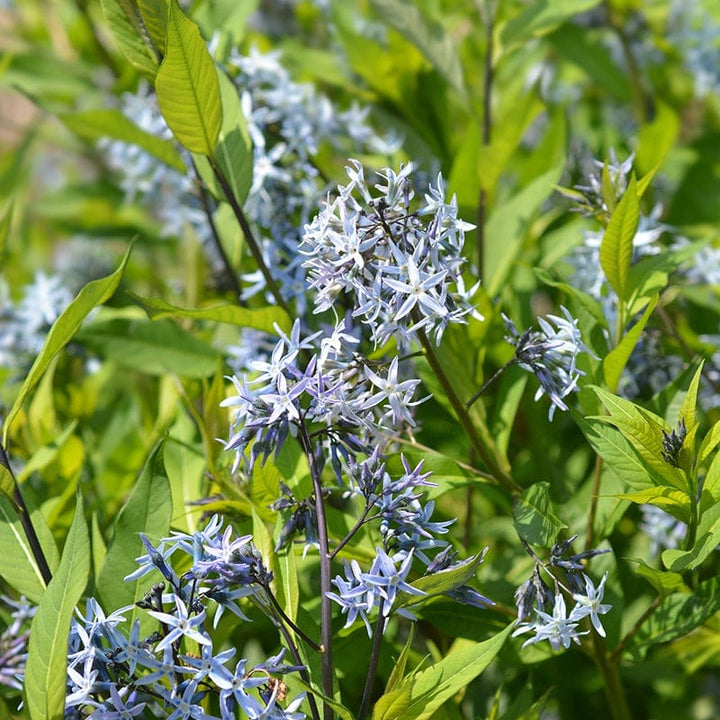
x,y
187,86
147,510
127,28
616,360
256,318
45,675
64,328
431,687
617,243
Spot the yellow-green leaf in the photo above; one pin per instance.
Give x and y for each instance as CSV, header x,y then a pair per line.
x,y
187,86
126,26
64,328
617,243
45,674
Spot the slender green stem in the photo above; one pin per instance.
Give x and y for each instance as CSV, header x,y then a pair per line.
x,y
224,259
630,634
351,533
325,587
26,522
476,442
252,243
489,382
489,20
288,621
372,667
597,476
613,687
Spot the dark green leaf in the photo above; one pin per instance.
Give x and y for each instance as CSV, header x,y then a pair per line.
x,y
534,520
677,615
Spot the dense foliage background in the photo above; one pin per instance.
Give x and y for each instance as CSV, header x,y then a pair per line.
x,y
165,164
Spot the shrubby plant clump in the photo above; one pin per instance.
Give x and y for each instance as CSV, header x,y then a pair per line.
x,y
359,360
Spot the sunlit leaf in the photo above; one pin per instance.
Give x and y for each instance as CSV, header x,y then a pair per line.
x,y
46,669
187,86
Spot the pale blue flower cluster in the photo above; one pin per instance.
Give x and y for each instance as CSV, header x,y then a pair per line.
x,y
543,611
14,642
24,324
289,123
400,264
335,389
551,355
116,674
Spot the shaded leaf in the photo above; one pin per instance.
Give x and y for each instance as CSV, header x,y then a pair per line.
x,y
533,517
18,567
111,123
126,26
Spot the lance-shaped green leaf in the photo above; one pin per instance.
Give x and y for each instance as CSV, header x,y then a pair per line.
x,y
63,330
152,348
540,18
664,582
45,673
708,538
6,215
99,123
533,518
644,430
187,86
256,318
688,416
671,500
709,443
148,510
616,451
431,687
677,615
126,25
442,581
615,361
155,14
617,243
